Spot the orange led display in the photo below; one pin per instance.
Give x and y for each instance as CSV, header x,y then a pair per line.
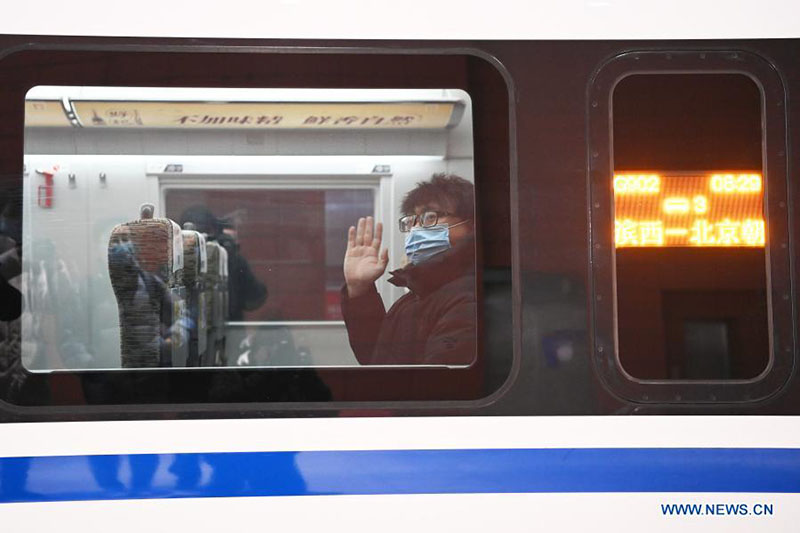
x,y
688,209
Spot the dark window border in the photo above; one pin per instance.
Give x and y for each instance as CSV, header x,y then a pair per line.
x,y
274,390
601,251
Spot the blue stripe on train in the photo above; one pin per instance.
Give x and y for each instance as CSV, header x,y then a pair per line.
x,y
191,475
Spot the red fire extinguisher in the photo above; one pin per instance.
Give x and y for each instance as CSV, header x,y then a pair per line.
x,y
45,197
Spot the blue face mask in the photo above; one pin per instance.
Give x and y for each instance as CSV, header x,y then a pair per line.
x,y
121,254
424,243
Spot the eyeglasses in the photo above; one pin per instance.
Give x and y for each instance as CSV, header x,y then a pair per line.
x,y
426,220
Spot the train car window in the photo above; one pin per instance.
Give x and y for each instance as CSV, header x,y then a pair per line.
x,y
229,244
688,180
275,284
690,260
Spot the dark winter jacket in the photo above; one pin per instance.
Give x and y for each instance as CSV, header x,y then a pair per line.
x,y
245,291
433,324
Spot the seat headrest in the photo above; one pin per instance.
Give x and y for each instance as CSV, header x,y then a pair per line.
x,y
213,255
156,245
223,262
194,256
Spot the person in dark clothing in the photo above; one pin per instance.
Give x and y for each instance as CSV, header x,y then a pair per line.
x,y
435,322
246,292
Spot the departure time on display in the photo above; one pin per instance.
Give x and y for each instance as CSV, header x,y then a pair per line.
x,y
694,209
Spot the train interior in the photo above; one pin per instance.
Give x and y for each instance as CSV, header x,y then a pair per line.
x,y
278,201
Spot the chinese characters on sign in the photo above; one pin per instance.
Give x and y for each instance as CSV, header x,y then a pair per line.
x,y
308,121
281,115
714,209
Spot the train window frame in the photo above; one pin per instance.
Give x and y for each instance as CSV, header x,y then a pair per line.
x,y
128,390
600,168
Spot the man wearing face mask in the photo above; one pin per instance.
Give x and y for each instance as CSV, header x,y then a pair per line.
x,y
435,322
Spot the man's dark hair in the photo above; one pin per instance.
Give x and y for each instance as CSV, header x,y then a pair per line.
x,y
203,220
451,192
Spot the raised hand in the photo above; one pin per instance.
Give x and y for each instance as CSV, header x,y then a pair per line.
x,y
363,261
